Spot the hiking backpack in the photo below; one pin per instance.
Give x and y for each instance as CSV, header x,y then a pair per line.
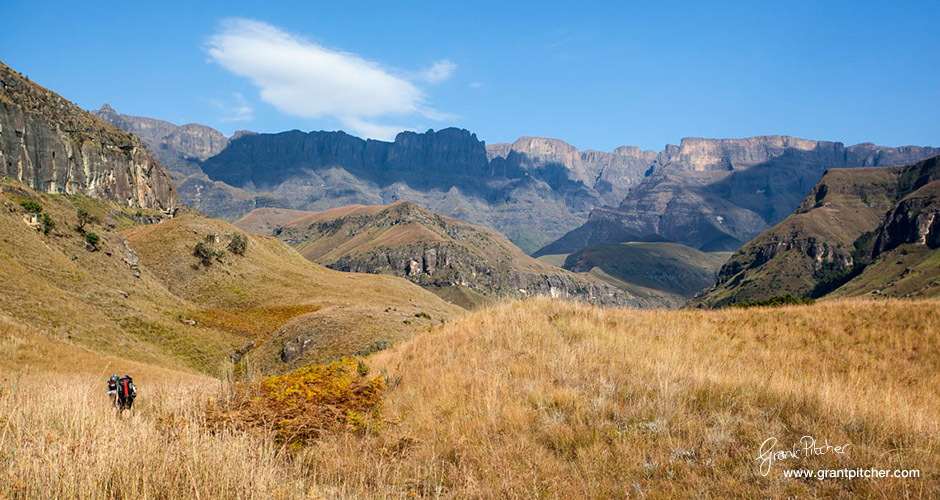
x,y
126,387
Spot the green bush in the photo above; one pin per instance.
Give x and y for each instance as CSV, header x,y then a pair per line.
x,y
85,218
47,223
92,238
239,244
207,253
31,206
779,300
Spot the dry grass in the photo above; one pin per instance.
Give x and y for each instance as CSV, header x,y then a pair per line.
x,y
540,399
66,442
553,400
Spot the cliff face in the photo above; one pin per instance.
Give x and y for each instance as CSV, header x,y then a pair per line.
x,y
716,194
53,146
609,176
176,146
845,238
437,252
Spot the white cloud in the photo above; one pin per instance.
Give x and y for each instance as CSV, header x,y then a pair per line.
x,y
439,72
239,111
305,79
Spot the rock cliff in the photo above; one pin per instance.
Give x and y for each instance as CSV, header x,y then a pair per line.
x,y
846,238
716,194
178,147
53,146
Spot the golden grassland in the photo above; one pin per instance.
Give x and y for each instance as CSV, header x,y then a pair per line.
x,y
536,399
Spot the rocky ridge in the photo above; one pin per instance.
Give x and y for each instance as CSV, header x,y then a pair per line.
x,y
406,240
53,146
849,226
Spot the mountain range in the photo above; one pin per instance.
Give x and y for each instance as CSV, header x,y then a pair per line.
x,y
709,194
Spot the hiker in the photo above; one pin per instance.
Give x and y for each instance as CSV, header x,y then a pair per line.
x,y
112,389
126,392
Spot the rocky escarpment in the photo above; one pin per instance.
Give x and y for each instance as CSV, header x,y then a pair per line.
x,y
716,194
454,265
53,146
916,217
531,199
178,147
406,240
852,221
609,175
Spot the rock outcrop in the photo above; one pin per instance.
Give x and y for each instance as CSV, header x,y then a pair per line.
x,y
406,240
53,146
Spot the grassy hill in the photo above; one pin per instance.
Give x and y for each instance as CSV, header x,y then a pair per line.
x,y
669,272
539,398
828,245
466,264
142,295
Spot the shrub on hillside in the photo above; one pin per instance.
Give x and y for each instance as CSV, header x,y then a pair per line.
x,y
206,253
301,405
92,239
31,206
84,218
238,244
47,223
779,300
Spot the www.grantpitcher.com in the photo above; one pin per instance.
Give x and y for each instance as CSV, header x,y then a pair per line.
x,y
851,473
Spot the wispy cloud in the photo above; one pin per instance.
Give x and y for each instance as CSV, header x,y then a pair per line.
x,y
439,72
305,79
236,111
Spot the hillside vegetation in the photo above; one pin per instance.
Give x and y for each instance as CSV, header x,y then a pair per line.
x,y
140,293
542,399
669,273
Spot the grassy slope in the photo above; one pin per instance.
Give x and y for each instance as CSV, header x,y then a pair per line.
x,y
547,399
854,203
346,312
670,271
542,399
53,284
489,244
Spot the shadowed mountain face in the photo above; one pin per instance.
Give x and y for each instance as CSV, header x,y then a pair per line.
x,y
716,194
860,231
53,146
465,264
533,191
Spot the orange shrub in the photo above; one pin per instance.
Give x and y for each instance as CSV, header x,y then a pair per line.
x,y
300,405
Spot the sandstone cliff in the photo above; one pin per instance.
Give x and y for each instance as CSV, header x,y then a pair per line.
x,y
178,147
53,146
716,194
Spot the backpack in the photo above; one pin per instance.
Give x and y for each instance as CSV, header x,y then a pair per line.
x,y
112,385
126,387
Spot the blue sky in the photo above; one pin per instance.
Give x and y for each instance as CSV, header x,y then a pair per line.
x,y
597,75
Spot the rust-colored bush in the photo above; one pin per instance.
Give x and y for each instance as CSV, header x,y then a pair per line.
x,y
301,405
